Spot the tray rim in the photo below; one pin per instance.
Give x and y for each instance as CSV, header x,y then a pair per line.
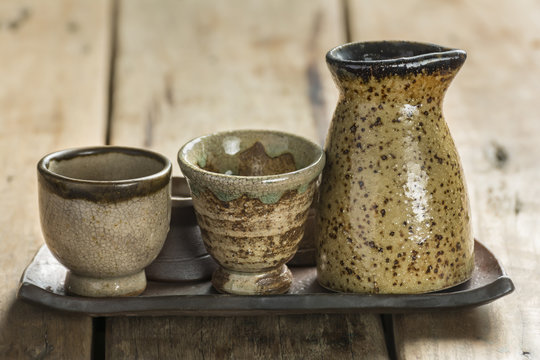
x,y
236,305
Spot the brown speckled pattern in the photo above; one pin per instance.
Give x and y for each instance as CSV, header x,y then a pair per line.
x,y
248,235
393,214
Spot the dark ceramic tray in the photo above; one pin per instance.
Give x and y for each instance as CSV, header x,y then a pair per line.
x,y
179,282
43,283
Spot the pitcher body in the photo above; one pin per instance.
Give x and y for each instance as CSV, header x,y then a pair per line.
x,y
393,215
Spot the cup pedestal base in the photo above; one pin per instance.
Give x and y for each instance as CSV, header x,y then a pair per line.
x,y
129,285
276,281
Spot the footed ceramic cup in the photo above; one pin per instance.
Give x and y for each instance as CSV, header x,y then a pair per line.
x,y
251,192
105,214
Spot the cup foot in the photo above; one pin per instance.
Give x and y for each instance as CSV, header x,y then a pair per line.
x,y
129,285
277,281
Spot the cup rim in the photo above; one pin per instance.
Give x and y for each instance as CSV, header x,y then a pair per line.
x,y
71,153
264,179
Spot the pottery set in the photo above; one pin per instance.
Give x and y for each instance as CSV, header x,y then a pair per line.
x,y
392,215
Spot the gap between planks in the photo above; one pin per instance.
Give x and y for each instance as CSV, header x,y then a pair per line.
x,y
99,324
113,43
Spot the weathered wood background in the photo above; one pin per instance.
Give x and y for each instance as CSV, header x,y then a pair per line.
x,y
158,73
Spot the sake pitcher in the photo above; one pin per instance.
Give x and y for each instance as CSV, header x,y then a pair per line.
x,y
393,214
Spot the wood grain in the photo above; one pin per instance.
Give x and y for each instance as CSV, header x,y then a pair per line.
x,y
189,68
53,72
333,336
491,112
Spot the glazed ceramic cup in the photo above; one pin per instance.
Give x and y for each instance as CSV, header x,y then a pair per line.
x,y
251,192
105,214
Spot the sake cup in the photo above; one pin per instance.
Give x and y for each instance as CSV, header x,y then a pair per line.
x,y
105,214
251,191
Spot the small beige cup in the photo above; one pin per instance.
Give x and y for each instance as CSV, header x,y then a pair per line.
x,y
105,214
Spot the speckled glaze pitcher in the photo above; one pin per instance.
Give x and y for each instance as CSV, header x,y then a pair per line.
x,y
393,214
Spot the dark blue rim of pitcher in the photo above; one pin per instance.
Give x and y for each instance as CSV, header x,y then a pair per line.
x,y
380,59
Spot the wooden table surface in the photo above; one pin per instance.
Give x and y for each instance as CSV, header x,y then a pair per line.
x,y
155,74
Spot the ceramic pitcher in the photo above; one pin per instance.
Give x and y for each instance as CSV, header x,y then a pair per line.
x,y
393,215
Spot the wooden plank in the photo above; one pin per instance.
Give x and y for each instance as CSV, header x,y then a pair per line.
x,y
193,67
491,111
53,72
192,338
188,68
265,337
354,336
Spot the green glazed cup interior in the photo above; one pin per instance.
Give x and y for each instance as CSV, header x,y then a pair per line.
x,y
259,163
